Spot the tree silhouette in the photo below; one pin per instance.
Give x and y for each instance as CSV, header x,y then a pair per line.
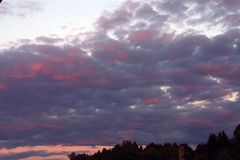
x,y
236,134
224,156
217,147
72,156
223,140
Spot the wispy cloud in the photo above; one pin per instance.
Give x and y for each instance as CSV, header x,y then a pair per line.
x,y
20,8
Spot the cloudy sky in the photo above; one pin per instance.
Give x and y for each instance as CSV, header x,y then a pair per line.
x,y
82,75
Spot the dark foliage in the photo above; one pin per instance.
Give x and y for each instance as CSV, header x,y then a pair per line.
x,y
218,147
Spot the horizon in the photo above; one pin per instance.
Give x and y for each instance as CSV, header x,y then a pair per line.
x,y
83,75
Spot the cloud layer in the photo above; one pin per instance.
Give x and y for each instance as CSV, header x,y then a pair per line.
x,y
151,71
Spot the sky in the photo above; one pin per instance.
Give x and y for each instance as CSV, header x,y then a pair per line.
x,y
84,75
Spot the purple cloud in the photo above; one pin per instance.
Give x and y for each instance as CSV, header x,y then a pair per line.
x,y
135,77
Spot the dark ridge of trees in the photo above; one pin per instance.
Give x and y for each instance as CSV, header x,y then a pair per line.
x,y
217,147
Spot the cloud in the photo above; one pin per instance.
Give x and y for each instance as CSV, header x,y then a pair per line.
x,y
137,76
23,155
46,152
21,9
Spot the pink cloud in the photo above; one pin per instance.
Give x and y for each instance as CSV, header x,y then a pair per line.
x,y
151,101
3,86
213,69
143,35
118,57
37,67
193,88
61,67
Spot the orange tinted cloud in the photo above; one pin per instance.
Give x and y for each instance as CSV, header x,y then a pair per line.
x,y
58,149
53,149
59,157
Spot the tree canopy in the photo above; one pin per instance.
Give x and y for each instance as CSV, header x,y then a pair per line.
x,y
218,147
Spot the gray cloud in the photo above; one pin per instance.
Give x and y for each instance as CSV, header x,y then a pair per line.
x,y
147,83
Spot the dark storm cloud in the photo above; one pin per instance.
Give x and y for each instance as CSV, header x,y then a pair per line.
x,y
135,77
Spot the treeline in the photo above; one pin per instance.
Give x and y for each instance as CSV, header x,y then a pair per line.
x,y
218,147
